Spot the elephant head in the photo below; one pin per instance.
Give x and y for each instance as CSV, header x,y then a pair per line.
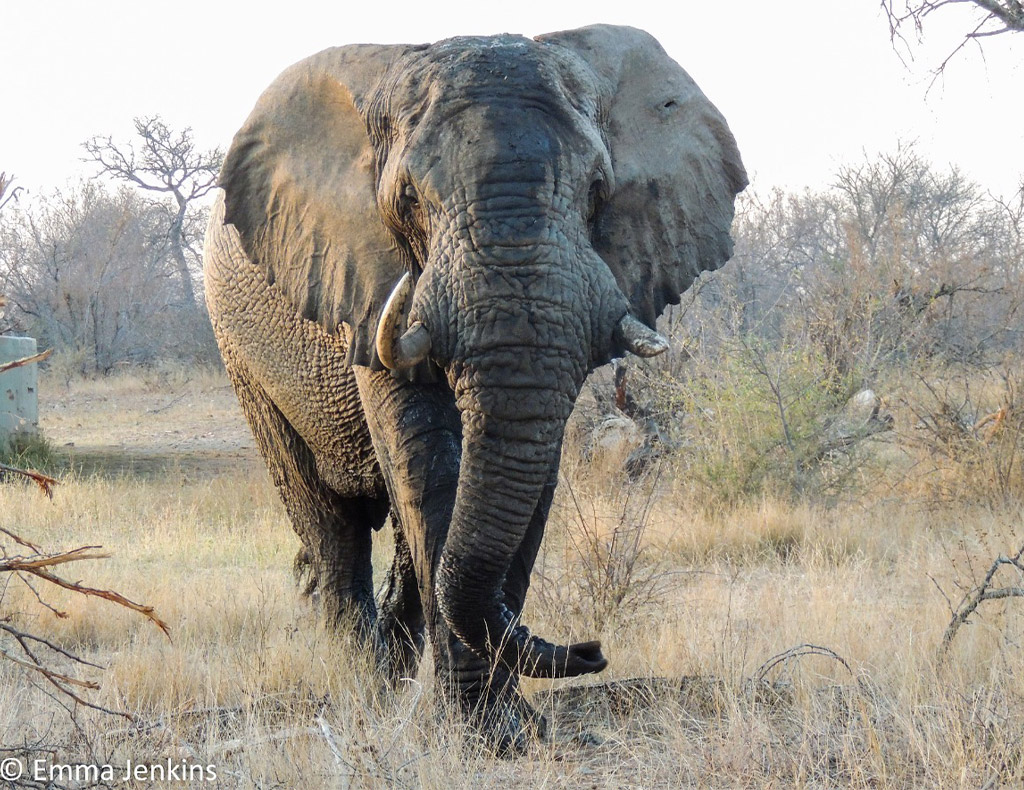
x,y
539,203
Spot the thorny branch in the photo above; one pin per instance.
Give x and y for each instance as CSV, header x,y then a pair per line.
x,y
984,592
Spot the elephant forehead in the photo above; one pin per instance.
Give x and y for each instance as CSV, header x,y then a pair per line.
x,y
457,55
503,68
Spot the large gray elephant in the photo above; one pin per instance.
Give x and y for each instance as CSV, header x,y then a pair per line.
x,y
538,203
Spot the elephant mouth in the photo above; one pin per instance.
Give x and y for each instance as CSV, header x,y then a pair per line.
x,y
401,348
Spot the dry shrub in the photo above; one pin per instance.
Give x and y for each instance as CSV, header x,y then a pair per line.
x,y
964,434
607,570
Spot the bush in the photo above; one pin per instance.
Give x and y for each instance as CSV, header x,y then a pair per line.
x,y
28,451
964,434
899,267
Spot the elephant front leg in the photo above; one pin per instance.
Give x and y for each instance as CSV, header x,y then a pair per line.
x,y
486,691
417,435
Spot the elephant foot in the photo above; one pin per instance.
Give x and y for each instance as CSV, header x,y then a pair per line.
x,y
487,699
503,721
509,727
400,648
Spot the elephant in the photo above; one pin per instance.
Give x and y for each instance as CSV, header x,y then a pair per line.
x,y
417,255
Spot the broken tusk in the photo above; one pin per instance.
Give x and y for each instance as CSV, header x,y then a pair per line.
x,y
640,339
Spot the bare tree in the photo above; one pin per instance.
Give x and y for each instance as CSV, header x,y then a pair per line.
x,y
7,194
991,18
897,259
168,162
89,272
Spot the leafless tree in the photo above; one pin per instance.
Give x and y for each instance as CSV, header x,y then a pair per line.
x,y
166,161
7,193
897,257
88,272
990,18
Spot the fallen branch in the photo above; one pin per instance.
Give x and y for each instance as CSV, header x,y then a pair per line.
x,y
45,482
25,360
983,592
796,652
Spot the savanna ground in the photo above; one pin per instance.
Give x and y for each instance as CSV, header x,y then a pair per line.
x,y
696,606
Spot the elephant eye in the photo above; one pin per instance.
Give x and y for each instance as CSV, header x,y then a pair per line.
x,y
409,197
408,203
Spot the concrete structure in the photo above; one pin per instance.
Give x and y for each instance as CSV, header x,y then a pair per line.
x,y
19,400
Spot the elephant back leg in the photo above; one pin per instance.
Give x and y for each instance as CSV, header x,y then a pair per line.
x,y
335,530
401,624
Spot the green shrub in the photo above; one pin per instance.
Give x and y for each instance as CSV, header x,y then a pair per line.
x,y
28,451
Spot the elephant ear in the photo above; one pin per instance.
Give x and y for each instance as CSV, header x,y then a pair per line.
x,y
299,185
676,166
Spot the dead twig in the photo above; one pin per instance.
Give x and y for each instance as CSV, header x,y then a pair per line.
x,y
21,541
25,360
49,674
34,563
40,565
22,637
983,592
45,482
108,595
760,676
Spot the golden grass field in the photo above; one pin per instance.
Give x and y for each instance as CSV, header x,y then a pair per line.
x,y
692,607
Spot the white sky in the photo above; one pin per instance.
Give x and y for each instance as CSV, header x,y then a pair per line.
x,y
806,85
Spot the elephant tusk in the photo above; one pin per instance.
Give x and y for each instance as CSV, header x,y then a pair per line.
x,y
638,338
400,352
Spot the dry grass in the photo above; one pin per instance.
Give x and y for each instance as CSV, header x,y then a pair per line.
x,y
251,685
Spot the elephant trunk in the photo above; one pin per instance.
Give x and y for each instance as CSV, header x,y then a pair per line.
x,y
511,445
516,325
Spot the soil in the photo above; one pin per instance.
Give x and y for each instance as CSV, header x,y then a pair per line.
x,y
146,426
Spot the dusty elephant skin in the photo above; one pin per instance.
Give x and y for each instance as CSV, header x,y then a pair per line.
x,y
538,203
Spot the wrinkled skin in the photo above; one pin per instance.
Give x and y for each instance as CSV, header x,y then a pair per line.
x,y
547,199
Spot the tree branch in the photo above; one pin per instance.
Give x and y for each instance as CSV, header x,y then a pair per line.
x,y
1010,13
983,592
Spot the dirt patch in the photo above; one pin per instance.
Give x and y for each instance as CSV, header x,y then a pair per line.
x,y
146,425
